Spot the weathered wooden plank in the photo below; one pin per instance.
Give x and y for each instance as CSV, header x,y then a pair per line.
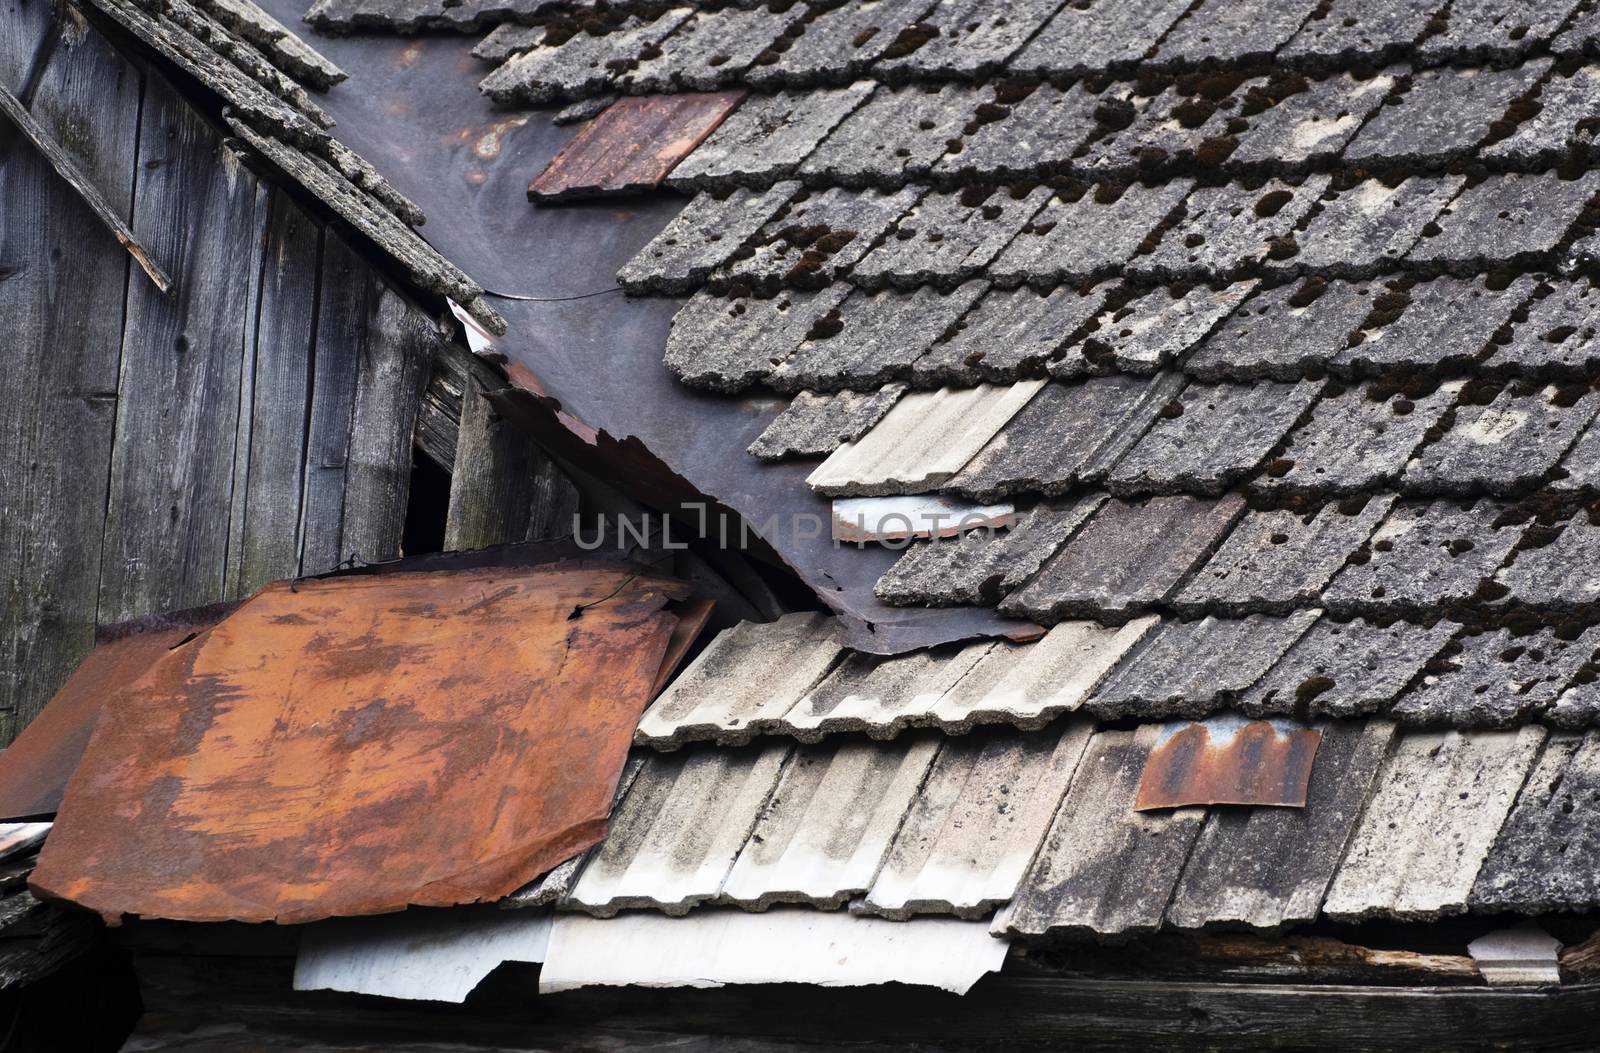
x,y
171,472
503,487
346,284
68,170
62,282
396,355
271,450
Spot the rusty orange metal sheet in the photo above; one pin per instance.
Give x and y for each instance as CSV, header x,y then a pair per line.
x,y
1229,760
692,618
632,145
357,744
35,768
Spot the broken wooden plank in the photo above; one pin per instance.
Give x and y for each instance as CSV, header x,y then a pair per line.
x,y
633,145
46,144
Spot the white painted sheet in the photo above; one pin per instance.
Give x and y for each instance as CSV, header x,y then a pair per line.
x,y
711,948
432,955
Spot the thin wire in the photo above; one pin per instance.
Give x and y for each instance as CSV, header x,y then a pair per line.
x,y
552,299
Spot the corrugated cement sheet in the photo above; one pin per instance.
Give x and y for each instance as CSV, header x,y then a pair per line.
x,y
1105,868
922,442
977,822
743,682
676,834
1440,801
783,945
1268,867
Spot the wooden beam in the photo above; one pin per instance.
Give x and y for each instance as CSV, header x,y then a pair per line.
x,y
68,170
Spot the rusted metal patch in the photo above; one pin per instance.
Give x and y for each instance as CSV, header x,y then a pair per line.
x,y
35,768
633,145
692,618
356,744
1229,760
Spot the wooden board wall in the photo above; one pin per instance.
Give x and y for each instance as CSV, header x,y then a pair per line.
x,y
157,453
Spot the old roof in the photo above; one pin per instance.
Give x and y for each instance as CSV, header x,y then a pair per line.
x,y
1270,318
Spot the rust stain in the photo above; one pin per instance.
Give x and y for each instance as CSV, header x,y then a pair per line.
x,y
358,744
633,144
1227,760
35,768
692,618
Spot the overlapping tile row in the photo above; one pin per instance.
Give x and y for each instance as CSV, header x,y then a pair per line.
x,y
785,236
1040,827
920,41
1484,669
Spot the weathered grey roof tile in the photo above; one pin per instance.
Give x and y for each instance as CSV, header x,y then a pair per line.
x,y
727,344
1372,225
1581,35
1126,559
972,831
1275,561
1268,867
1439,802
743,682
1233,31
503,41
1567,109
1087,37
1562,570
672,840
1009,137
1358,438
1151,331
1029,685
1104,868
767,138
1284,333
1497,679
880,696
820,235
1069,435
1581,465
1360,30
1425,555
1346,669
579,65
1314,124
974,38
1543,860
1513,220
1578,707
980,566
946,238
709,50
709,230
1229,229
1495,29
1192,669
1443,114
872,338
922,442
1446,322
1558,337
1211,436
1505,446
1011,333
894,135
1171,129
841,42
816,425
828,825
1083,237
